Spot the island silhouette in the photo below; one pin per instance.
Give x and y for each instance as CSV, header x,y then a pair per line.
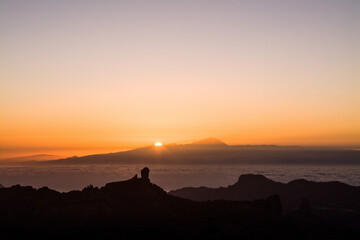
x,y
139,209
215,151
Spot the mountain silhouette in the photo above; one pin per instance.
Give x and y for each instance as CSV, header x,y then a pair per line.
x,y
139,209
330,195
214,151
210,142
1,186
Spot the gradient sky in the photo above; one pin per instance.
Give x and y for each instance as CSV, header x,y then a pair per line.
x,y
110,75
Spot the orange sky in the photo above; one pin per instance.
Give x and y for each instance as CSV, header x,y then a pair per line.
x,y
80,79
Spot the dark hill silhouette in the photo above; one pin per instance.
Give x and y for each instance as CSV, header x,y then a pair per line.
x,y
138,209
213,151
330,195
1,186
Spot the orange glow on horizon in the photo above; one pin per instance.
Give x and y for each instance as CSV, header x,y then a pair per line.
x,y
179,71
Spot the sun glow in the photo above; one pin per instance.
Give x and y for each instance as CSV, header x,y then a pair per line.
x,y
158,144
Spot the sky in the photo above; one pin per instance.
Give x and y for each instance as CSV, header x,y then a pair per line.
x,y
81,77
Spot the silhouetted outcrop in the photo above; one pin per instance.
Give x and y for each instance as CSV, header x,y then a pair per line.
x,y
1,186
145,174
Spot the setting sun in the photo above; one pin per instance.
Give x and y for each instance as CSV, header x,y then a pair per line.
x,y
158,144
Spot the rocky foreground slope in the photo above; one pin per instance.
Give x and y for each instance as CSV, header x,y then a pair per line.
x,y
138,209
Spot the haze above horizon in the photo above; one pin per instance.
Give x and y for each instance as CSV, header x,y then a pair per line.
x,y
96,76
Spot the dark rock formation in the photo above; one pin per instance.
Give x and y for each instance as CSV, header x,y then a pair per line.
x,y
1,186
145,173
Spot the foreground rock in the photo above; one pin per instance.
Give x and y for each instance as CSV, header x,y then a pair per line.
x,y
138,209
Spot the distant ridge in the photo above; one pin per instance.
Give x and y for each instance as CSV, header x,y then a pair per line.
x,y
326,195
214,151
209,141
